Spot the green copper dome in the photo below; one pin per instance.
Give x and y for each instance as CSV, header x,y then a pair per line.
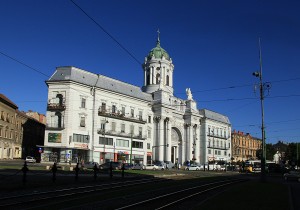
x,y
158,52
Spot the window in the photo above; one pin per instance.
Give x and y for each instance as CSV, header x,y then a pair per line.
x,y
136,144
132,129
83,102
123,110
216,152
149,133
209,151
81,138
123,128
102,125
149,119
140,115
103,107
167,80
148,145
122,143
105,141
0,132
157,78
113,126
113,109
219,152
132,112
140,131
82,121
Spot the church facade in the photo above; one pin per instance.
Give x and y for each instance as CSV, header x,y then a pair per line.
x,y
92,117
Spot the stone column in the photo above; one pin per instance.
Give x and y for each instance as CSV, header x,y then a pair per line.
x,y
197,144
145,77
186,143
168,142
155,144
191,141
151,75
161,141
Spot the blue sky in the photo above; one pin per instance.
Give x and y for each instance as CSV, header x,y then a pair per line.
x,y
213,45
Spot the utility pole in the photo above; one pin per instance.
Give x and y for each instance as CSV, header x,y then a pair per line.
x,y
262,88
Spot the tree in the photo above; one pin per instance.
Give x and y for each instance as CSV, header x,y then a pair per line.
x,y
270,151
259,154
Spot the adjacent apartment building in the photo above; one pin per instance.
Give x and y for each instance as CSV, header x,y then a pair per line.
x,y
92,117
244,146
19,133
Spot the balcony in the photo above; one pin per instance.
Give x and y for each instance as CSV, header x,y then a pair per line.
x,y
121,116
217,147
121,134
217,136
56,107
54,126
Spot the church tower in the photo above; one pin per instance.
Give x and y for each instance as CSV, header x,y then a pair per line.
x,y
158,70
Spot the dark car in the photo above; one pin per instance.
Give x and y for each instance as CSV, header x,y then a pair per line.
x,y
90,165
292,175
115,165
138,166
127,166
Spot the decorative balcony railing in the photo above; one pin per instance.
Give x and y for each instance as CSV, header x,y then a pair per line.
x,y
121,116
54,126
217,147
121,134
56,107
217,136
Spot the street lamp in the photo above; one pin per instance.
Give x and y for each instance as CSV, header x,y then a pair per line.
x,y
262,88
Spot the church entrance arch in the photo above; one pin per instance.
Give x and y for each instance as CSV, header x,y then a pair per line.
x,y
176,140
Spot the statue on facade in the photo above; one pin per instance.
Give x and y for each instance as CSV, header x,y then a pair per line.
x,y
189,94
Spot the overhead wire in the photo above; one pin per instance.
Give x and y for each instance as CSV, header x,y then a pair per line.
x,y
114,39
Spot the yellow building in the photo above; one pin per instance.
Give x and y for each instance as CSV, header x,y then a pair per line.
x,y
244,146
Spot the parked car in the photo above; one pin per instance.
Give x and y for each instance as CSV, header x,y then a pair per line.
x,y
202,167
30,159
169,164
154,167
138,166
115,165
292,175
90,165
160,163
192,167
127,166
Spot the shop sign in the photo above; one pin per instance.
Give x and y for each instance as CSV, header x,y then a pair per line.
x,y
82,146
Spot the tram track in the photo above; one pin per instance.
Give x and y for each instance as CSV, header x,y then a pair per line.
x,y
31,199
169,200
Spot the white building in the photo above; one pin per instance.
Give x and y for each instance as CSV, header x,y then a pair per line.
x,y
97,118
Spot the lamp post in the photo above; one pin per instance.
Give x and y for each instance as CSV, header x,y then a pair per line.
x,y
262,88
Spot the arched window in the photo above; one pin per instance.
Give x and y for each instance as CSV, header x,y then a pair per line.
x,y
58,115
167,80
157,78
60,99
148,79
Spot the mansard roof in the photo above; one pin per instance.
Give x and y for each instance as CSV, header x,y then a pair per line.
x,y
214,116
70,73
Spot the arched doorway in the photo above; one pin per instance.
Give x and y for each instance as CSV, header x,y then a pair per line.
x,y
175,142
